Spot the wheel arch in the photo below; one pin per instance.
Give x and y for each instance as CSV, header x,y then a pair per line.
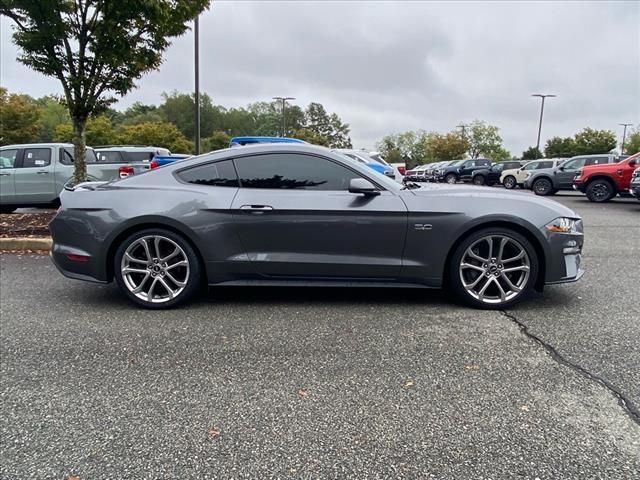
x,y
144,224
511,224
602,176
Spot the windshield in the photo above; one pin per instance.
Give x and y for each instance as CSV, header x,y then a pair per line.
x,y
455,163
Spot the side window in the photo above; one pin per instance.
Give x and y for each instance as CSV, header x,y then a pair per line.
x,y
531,166
109,157
36,157
292,171
574,164
138,156
8,158
544,165
483,163
66,156
498,167
596,160
219,174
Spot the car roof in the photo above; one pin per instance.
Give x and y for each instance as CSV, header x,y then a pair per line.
x,y
129,148
264,139
38,145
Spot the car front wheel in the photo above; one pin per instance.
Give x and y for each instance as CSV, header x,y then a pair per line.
x,y
478,180
157,269
451,178
542,186
600,191
510,182
493,268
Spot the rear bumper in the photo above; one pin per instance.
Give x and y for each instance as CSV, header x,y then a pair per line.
x,y
78,270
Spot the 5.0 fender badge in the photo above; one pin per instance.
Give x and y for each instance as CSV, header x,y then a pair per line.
x,y
422,226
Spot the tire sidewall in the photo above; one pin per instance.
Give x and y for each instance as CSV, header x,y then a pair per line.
x,y
455,283
478,180
194,282
510,182
591,196
539,181
449,176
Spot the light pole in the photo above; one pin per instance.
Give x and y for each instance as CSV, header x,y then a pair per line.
x,y
463,127
284,114
196,31
542,96
624,136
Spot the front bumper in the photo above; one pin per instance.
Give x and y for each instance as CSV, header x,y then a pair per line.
x,y
564,257
579,186
634,189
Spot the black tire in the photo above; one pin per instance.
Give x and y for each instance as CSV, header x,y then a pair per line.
x,y
193,276
510,182
600,191
453,274
7,209
479,180
451,178
542,186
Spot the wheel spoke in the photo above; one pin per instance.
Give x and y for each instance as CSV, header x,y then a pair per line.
x,y
164,284
156,245
510,284
503,294
153,285
503,243
176,282
134,270
472,266
475,256
513,259
138,289
490,241
182,263
175,252
143,242
485,286
471,285
519,268
133,259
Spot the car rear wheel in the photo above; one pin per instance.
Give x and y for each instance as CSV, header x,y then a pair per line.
x,y
542,186
478,180
157,269
493,268
451,178
600,191
510,182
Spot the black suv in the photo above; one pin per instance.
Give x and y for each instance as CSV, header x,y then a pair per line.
x,y
460,170
491,176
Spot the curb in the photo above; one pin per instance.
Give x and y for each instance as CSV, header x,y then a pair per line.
x,y
25,243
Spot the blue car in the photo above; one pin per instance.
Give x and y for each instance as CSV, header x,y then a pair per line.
x,y
250,140
375,162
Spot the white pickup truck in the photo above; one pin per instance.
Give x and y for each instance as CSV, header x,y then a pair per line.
x,y
35,174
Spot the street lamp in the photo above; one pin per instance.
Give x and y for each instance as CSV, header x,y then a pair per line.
x,y
542,96
284,115
196,31
463,127
624,136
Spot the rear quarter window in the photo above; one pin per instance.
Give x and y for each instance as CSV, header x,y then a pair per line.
x,y
218,174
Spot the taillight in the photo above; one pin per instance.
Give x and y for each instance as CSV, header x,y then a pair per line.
x,y
402,170
153,164
125,171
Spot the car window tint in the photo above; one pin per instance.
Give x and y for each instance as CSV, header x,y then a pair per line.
x,y
109,157
531,166
596,160
36,157
498,167
137,156
541,165
219,174
66,156
292,171
8,158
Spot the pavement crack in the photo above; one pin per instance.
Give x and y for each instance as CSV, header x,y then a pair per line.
x,y
627,405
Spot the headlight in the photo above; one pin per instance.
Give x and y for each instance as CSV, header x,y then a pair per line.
x,y
565,225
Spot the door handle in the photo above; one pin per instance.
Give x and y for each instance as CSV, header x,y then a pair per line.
x,y
42,172
256,209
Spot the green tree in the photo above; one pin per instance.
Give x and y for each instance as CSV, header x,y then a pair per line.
x,y
178,108
216,141
100,131
95,48
310,136
499,154
448,146
532,153
53,113
632,142
20,118
589,141
141,113
327,126
160,134
483,139
558,147
410,147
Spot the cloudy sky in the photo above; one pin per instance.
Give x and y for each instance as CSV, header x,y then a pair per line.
x,y
392,66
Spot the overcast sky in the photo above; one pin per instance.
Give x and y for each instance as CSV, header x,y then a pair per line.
x,y
392,66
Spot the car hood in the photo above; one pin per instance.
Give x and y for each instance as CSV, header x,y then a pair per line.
x,y
479,194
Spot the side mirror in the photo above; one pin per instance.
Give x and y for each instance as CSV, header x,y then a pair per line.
x,y
362,186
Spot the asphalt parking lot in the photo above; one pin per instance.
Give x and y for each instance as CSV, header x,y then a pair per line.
x,y
326,383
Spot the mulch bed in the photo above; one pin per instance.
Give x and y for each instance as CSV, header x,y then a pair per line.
x,y
26,224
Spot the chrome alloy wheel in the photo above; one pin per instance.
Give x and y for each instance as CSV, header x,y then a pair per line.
x,y
155,269
495,269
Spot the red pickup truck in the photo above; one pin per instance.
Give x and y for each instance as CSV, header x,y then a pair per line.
x,y
604,181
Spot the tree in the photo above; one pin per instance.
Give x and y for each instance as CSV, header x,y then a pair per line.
x,y
410,147
310,137
499,154
589,141
53,113
95,48
558,147
448,146
483,139
327,126
532,153
100,131
141,113
632,142
159,134
178,108
216,141
19,118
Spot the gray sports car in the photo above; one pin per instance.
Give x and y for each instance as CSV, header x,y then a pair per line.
x,y
292,214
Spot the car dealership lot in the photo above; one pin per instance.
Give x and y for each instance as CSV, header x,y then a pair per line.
x,y
377,383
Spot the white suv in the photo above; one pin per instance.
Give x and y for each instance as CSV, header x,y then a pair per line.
x,y
515,177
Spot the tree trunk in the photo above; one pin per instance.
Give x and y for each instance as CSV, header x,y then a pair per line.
x,y
79,149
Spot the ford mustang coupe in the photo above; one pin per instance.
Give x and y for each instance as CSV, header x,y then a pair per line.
x,y
296,214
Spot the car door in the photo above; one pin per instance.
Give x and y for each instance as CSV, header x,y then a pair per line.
x,y
567,171
466,168
296,218
521,174
34,178
8,158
